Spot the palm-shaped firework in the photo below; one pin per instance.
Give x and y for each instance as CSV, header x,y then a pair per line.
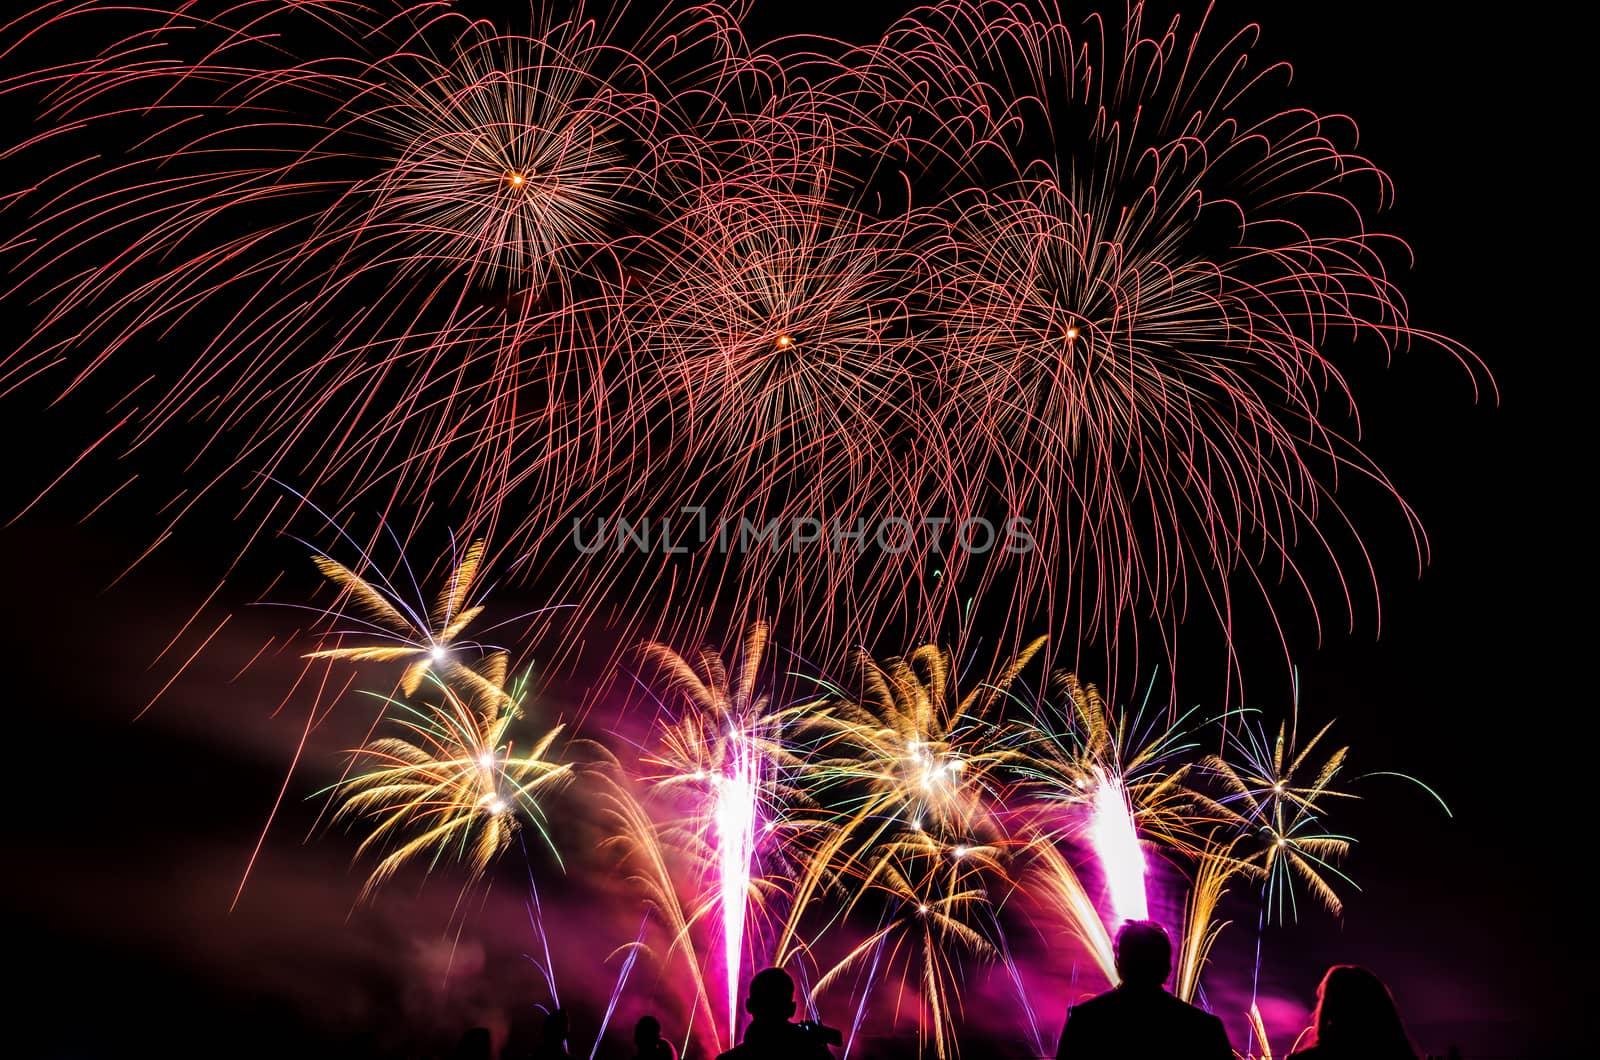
x,y
714,748
933,898
1111,780
910,754
425,637
1278,794
1072,749
456,785
907,792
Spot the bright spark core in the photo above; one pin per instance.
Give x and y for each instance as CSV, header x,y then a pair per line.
x,y
437,655
785,341
1072,333
516,179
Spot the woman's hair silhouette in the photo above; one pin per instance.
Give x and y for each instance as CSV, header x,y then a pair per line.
x,y
475,1044
1356,1017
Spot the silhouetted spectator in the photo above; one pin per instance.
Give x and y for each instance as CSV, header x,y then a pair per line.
x,y
648,1043
1139,1020
770,1035
553,1037
1356,1019
474,1045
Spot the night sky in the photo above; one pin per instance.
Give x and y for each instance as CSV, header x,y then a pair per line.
x,y
128,837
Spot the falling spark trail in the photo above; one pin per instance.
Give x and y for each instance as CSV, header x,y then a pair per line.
x,y
536,918
622,982
1018,985
865,996
1116,844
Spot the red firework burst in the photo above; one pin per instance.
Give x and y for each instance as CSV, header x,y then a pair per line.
x,y
1142,323
992,268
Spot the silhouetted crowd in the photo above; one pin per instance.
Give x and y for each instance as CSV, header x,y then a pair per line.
x,y
1139,1019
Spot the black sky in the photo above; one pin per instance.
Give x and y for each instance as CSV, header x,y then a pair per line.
x,y
126,837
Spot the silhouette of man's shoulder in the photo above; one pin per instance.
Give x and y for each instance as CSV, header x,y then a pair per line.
x,y
1100,1005
779,1047
1132,1024
1158,1003
1181,1009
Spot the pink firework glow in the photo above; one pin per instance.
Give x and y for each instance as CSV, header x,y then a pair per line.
x,y
1116,844
711,760
736,831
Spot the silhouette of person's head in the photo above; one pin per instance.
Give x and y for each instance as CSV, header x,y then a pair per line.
x,y
555,1027
474,1045
1144,953
1356,1016
771,996
648,1043
646,1033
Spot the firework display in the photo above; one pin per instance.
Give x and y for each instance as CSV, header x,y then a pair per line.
x,y
426,639
715,748
885,843
894,357
996,309
454,785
